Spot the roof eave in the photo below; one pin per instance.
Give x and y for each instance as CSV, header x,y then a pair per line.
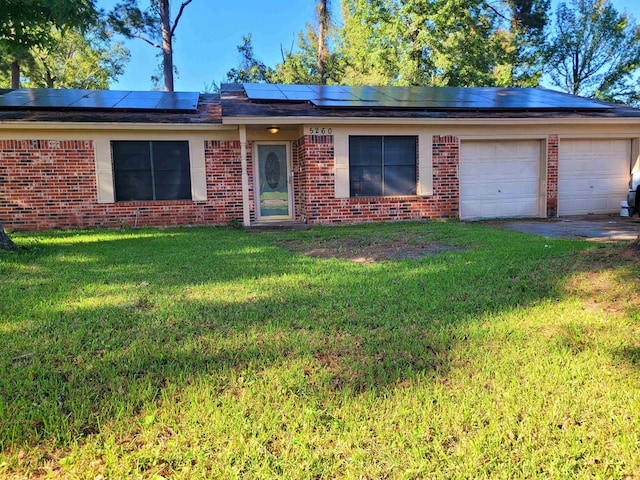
x,y
40,125
326,120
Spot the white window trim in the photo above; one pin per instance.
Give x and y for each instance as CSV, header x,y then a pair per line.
x,y
341,161
105,179
198,170
104,171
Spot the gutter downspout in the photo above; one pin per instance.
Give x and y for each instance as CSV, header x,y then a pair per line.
x,y
246,213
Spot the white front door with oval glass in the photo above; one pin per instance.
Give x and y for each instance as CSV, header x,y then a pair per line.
x,y
273,190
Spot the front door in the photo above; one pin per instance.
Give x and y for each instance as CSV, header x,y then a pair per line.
x,y
273,186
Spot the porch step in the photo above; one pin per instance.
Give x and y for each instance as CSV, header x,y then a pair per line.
x,y
276,227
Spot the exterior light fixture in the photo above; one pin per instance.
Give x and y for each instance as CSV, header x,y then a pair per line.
x,y
273,130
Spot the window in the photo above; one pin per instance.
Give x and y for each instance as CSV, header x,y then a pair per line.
x,y
151,170
382,166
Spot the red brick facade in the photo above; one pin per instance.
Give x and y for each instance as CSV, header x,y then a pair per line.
x,y
552,175
320,205
47,184
299,179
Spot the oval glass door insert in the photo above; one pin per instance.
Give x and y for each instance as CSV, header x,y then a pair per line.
x,y
272,170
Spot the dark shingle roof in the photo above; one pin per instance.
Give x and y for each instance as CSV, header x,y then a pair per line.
x,y
208,112
236,103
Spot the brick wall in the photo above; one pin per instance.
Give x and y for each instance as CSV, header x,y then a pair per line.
x,y
224,181
318,187
47,184
299,179
552,176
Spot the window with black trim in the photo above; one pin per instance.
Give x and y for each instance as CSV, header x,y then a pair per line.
x,y
382,166
157,170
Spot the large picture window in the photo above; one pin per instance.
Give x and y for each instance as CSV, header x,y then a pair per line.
x,y
382,165
151,170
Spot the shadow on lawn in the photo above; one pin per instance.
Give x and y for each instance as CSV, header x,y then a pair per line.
x,y
349,327
628,354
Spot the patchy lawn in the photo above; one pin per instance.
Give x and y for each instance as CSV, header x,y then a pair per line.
x,y
411,350
400,245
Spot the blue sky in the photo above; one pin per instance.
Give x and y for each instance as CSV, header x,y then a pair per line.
x,y
210,31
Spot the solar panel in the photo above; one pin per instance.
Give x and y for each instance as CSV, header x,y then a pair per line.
x,y
99,99
473,98
178,101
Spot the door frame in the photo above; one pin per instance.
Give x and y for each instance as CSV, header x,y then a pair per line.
x,y
256,181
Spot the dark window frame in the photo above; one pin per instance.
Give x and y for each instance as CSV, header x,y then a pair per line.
x,y
150,179
361,165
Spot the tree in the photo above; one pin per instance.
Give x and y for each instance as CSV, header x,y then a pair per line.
x,y
368,43
524,36
27,23
251,69
312,62
324,23
442,42
301,66
445,42
154,26
76,60
5,242
595,51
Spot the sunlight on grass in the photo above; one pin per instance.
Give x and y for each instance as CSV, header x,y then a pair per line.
x,y
106,301
210,353
97,236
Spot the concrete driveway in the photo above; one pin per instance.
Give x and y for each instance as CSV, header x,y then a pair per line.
x,y
595,228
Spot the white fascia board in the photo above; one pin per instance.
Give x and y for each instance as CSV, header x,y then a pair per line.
x,y
427,121
114,126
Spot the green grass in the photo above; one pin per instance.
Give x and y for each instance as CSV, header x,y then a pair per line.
x,y
211,353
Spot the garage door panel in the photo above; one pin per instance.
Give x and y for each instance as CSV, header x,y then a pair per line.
x,y
593,176
499,179
486,210
485,149
528,169
531,188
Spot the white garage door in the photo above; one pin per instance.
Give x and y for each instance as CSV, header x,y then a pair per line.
x,y
499,179
593,176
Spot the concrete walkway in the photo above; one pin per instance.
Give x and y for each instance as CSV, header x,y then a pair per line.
x,y
596,228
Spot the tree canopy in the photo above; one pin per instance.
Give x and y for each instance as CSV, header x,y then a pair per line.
x,y
250,69
588,49
595,51
421,42
28,23
88,60
154,26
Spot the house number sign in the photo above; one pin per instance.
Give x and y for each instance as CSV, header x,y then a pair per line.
x,y
320,131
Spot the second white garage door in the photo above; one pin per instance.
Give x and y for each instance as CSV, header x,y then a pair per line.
x,y
499,179
593,176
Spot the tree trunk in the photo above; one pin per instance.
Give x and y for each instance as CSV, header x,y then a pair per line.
x,y
49,79
323,27
15,74
5,241
167,47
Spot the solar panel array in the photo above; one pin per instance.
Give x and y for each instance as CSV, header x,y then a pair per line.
x,y
99,99
422,97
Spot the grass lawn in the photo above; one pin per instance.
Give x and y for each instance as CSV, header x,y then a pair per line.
x,y
212,353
